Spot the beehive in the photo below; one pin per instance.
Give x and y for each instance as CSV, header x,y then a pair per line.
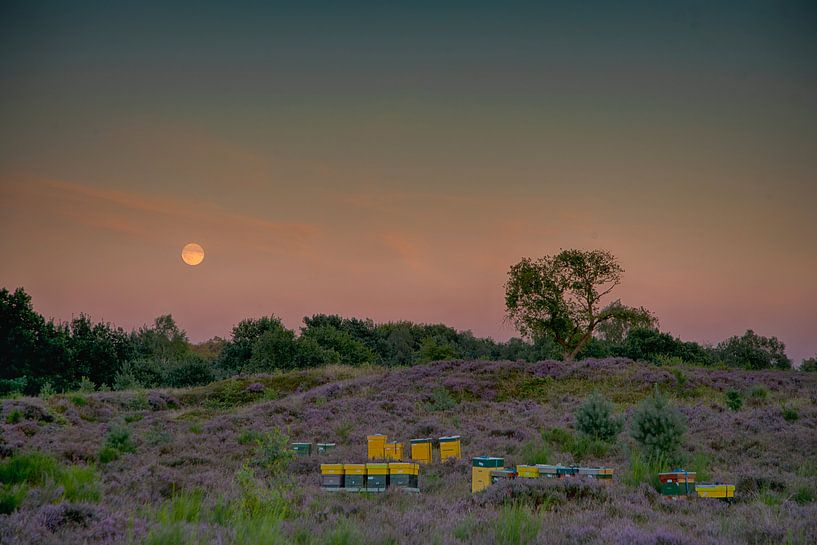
x,y
393,451
502,474
677,476
354,476
377,477
546,470
450,447
712,490
332,475
677,483
481,468
601,473
421,450
323,448
302,449
377,444
566,471
527,472
403,474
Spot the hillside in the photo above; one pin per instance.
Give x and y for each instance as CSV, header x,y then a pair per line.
x,y
185,466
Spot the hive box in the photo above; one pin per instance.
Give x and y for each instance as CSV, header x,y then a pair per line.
x,y
677,476
481,468
421,450
549,471
527,472
393,451
323,448
332,475
566,471
302,449
377,477
377,446
354,476
450,447
403,474
713,490
502,474
601,473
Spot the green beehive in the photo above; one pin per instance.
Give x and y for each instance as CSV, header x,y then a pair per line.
x,y
487,461
377,477
302,449
677,489
565,471
324,448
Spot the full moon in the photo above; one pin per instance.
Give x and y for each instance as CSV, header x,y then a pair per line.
x,y
192,254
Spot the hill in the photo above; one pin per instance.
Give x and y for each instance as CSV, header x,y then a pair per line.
x,y
207,464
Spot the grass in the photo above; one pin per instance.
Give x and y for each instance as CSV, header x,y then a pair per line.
x,y
22,472
580,447
80,484
34,468
644,470
14,416
516,525
12,497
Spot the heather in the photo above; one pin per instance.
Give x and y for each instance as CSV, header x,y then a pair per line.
x,y
211,463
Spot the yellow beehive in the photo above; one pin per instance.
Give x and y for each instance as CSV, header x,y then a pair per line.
x,y
377,444
421,450
527,472
480,478
393,451
450,447
715,490
331,469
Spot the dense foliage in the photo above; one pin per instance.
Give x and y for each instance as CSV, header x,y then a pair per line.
x,y
594,418
657,427
44,356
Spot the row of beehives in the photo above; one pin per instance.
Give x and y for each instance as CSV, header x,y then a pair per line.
x,y
422,450
486,470
370,477
677,484
680,484
305,449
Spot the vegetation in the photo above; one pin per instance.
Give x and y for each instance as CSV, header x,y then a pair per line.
x,y
594,419
658,428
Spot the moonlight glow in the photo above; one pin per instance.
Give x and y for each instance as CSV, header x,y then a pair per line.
x,y
192,254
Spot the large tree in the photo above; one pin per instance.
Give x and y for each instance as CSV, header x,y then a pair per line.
x,y
560,297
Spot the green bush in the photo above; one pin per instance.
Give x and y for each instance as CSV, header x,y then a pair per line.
x,y
734,400
273,451
119,438
86,386
441,400
594,419
33,468
193,372
12,387
790,414
108,454
758,391
47,391
14,416
657,427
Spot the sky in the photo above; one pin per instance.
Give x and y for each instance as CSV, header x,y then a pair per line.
x,y
393,162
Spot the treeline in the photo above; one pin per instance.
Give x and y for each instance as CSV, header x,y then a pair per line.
x,y
36,353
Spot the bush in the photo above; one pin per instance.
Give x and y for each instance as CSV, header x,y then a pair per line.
x,y
273,451
441,400
657,427
10,387
193,372
594,419
47,391
790,414
33,468
14,416
86,386
809,365
117,441
753,351
734,400
80,484
108,454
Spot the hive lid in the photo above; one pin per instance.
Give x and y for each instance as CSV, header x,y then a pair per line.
x,y
425,440
449,438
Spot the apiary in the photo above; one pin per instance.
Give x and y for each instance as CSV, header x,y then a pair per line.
x,y
715,490
332,476
377,446
377,477
527,472
404,474
450,447
421,450
481,468
302,449
354,476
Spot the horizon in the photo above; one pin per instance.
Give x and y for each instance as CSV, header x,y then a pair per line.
x,y
392,163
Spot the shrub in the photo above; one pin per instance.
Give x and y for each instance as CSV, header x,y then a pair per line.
x,y
809,365
790,414
758,391
11,387
125,380
734,400
193,372
14,416
657,427
594,419
441,400
273,451
117,441
86,386
516,525
47,391
108,454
